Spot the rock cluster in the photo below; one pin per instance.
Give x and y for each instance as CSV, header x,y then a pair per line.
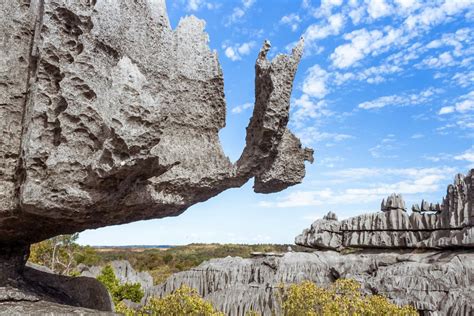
x,y
108,116
438,226
436,283
124,272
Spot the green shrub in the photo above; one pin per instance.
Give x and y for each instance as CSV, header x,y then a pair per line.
x,y
344,297
185,301
119,292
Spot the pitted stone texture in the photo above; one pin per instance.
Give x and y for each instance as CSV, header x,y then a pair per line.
x,y
448,225
437,283
114,117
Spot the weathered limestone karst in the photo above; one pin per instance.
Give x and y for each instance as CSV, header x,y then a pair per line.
x,y
442,226
434,282
108,115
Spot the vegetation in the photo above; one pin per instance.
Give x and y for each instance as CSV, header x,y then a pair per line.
x,y
185,301
119,292
62,254
344,297
162,263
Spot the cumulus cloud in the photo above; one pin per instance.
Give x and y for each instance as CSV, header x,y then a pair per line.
x,y
240,108
400,100
409,181
235,51
468,155
306,108
314,83
293,20
239,12
195,5
465,104
363,43
311,135
378,8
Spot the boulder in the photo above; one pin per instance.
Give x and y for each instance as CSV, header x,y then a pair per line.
x,y
109,116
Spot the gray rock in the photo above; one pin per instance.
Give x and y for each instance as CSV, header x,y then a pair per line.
x,y
109,116
393,202
416,208
449,225
330,216
123,271
41,291
114,117
436,283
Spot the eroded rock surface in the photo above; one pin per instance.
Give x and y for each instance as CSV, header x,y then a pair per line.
x,y
108,116
443,226
436,283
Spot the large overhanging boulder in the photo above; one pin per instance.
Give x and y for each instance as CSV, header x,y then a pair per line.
x,y
448,225
109,116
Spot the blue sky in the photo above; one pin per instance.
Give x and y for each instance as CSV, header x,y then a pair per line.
x,y
384,94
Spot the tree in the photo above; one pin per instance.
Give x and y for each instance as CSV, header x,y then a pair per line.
x,y
119,292
344,297
57,253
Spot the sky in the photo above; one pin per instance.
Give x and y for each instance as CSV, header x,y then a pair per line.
x,y
384,94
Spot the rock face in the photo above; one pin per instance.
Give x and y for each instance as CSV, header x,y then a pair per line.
x,y
436,283
109,116
438,226
41,291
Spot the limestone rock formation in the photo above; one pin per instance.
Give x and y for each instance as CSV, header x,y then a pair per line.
x,y
40,291
435,282
124,272
438,226
393,202
109,116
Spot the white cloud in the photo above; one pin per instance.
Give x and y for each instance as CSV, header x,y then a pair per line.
x,y
239,12
363,43
400,100
305,108
468,155
378,8
293,20
195,5
236,51
430,16
240,108
464,79
443,60
314,84
372,75
465,104
385,149
409,181
417,136
314,32
311,135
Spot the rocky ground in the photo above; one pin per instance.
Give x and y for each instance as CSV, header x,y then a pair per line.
x,y
435,282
